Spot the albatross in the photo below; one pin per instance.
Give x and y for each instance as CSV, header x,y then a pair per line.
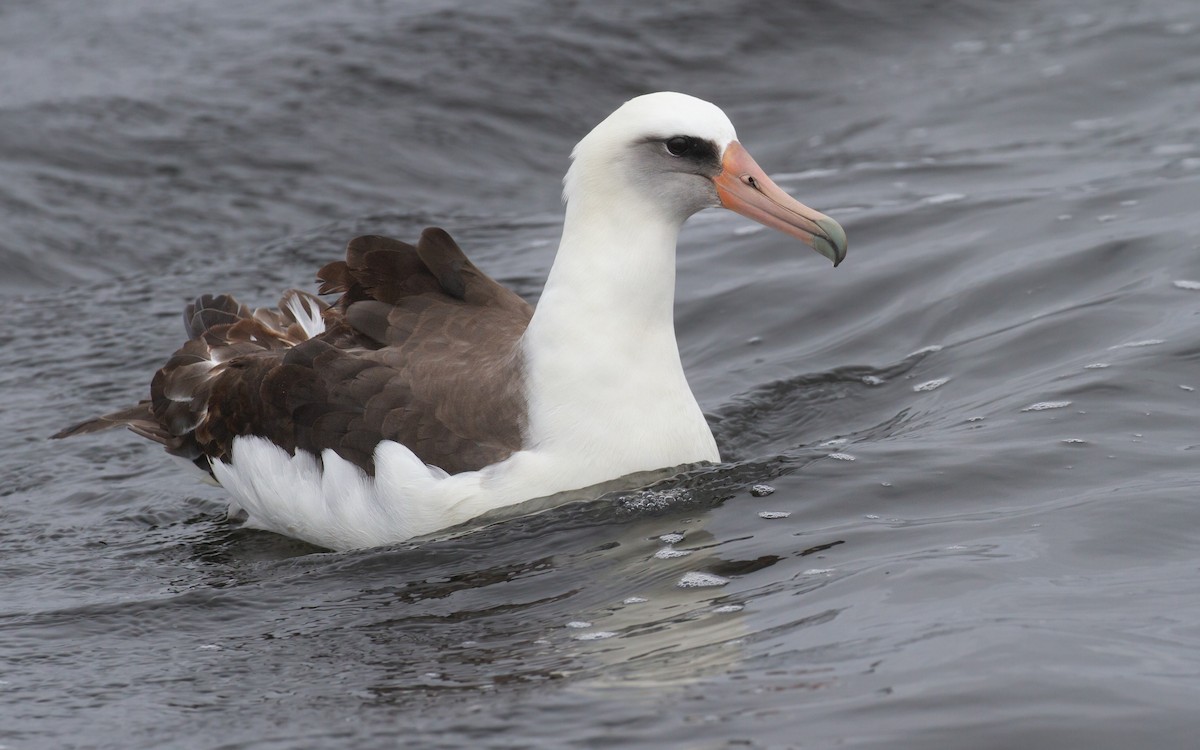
x,y
428,393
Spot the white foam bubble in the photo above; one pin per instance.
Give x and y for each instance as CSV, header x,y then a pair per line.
x,y
771,515
1186,284
670,553
696,580
1135,344
597,635
930,385
579,624
654,499
1044,405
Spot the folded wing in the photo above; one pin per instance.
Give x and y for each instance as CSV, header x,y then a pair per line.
x,y
421,348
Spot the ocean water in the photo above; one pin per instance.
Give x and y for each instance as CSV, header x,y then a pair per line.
x,y
960,505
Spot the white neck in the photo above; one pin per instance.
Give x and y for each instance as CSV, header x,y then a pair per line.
x,y
604,381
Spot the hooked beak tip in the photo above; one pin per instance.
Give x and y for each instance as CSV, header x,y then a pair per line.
x,y
833,244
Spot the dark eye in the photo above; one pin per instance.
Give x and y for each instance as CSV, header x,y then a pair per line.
x,y
680,145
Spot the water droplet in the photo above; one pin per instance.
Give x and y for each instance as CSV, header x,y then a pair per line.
x,y
696,580
930,385
1187,388
771,515
762,490
1044,405
1186,284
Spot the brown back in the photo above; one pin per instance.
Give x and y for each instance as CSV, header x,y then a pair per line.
x,y
422,348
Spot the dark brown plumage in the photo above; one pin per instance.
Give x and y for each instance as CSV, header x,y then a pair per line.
x,y
422,348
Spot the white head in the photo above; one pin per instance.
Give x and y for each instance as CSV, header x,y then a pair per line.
x,y
681,154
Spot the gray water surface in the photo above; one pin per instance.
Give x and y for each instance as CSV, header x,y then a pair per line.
x,y
982,427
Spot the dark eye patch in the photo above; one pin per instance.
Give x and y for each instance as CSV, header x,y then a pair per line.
x,y
691,148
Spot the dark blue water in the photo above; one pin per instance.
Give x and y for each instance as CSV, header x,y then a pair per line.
x,y
983,426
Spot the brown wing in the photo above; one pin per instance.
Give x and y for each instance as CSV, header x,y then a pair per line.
x,y
421,348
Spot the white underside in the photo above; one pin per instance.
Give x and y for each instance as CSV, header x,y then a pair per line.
x,y
340,507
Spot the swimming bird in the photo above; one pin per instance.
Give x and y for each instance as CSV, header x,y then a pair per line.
x,y
428,393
